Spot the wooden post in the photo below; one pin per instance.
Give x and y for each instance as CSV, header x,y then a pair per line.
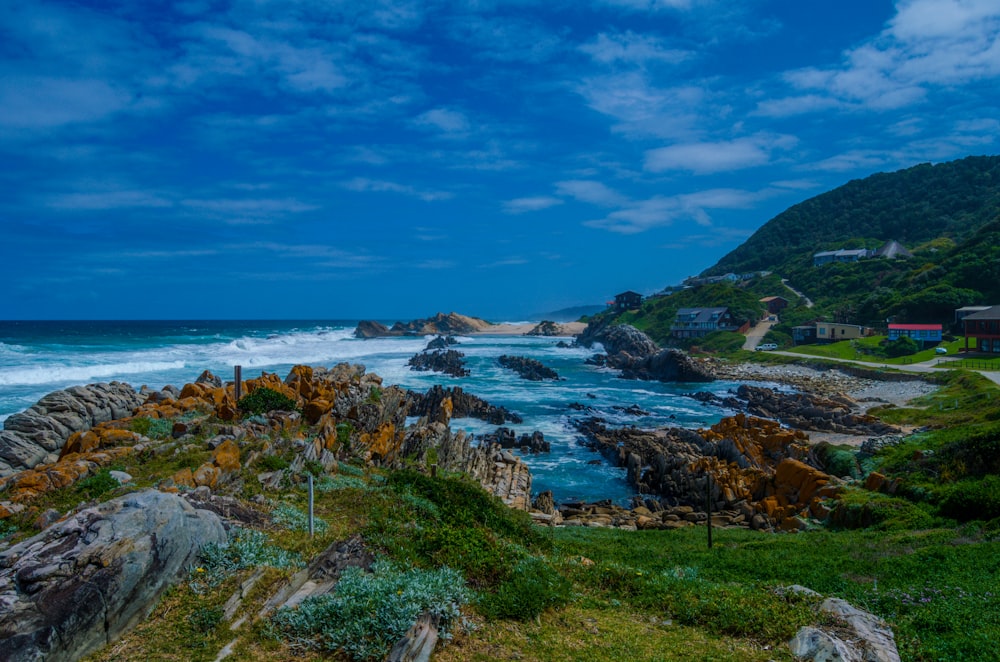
x,y
311,527
434,470
708,506
238,376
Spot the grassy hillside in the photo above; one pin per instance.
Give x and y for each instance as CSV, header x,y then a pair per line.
x,y
948,215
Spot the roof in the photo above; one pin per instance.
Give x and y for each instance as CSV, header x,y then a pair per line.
x,y
843,252
702,314
915,327
628,293
892,249
991,313
769,299
972,308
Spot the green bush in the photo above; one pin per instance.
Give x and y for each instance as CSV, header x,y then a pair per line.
x,y
973,500
294,519
272,463
154,428
263,400
483,559
902,346
205,619
862,509
246,548
368,612
97,485
533,587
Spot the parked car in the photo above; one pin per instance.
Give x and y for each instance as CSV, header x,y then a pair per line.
x,y
940,350
766,346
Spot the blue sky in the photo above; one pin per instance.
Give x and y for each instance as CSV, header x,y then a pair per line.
x,y
390,159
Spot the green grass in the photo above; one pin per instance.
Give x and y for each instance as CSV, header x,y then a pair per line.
x,y
862,349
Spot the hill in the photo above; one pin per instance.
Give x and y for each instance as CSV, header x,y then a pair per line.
x,y
948,215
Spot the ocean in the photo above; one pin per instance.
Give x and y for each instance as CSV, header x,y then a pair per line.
x,y
37,358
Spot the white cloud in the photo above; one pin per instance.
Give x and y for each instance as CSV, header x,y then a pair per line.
x,y
364,185
449,122
595,193
710,157
927,44
505,39
632,48
109,200
537,203
642,108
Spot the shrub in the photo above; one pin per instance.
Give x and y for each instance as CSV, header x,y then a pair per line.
x,y
246,548
902,346
263,400
97,485
154,428
368,612
272,463
339,482
204,619
973,500
533,587
294,519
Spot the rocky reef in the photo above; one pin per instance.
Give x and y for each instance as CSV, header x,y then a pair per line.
x,y
529,369
442,404
637,357
447,361
751,470
439,324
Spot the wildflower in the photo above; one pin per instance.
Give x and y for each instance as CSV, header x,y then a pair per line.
x,y
199,569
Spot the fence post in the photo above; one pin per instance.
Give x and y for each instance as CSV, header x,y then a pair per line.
x,y
238,376
311,526
708,506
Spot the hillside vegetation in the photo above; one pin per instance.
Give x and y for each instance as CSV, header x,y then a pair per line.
x,y
948,215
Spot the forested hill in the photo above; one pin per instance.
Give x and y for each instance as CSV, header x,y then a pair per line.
x,y
914,206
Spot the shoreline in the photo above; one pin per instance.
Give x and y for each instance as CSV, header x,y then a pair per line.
x,y
565,329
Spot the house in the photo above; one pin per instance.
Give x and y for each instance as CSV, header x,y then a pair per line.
x,y
924,334
627,301
984,328
804,335
774,304
842,255
834,332
698,322
893,250
965,311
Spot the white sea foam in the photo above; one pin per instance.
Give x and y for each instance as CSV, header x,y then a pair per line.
x,y
62,374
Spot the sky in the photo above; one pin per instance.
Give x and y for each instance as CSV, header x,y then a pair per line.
x,y
389,159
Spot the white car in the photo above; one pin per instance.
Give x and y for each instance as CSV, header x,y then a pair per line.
x,y
940,350
766,346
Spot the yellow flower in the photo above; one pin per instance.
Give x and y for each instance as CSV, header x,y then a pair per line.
x,y
199,570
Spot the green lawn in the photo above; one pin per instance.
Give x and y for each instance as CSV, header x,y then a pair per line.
x,y
856,350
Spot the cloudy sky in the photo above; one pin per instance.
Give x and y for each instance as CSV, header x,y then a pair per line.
x,y
390,159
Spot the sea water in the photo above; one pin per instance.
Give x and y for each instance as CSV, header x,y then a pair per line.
x,y
39,357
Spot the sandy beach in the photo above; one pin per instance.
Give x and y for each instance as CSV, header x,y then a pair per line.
x,y
565,329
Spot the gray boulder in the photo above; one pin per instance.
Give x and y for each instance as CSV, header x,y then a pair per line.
x,y
41,431
85,581
868,638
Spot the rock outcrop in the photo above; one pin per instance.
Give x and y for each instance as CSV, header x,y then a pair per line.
x,y
666,365
805,411
855,636
440,324
85,581
529,369
546,328
442,404
38,434
619,338
449,361
528,443
747,465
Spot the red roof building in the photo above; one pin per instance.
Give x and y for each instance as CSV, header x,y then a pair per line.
x,y
925,334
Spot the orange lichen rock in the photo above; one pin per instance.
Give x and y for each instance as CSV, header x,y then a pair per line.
x,y
382,443
184,478
101,436
227,456
27,485
798,480
875,482
763,442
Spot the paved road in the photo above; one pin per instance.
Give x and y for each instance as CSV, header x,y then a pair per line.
x,y
755,334
809,303
928,366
